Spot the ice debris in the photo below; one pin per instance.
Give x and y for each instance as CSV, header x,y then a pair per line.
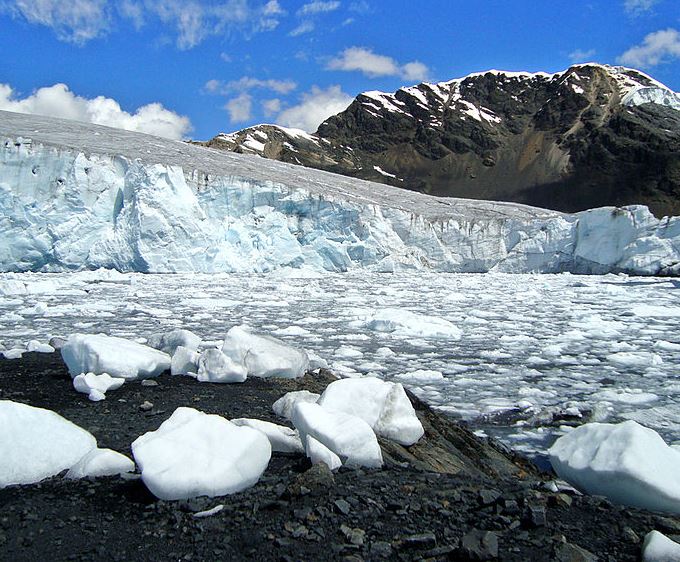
x,y
116,356
196,454
383,405
215,366
657,547
349,437
101,462
284,406
168,342
264,356
96,386
626,462
282,439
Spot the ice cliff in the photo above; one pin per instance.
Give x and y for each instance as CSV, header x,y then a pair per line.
x,y
76,196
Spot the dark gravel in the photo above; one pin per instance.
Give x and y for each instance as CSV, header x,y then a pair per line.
x,y
412,509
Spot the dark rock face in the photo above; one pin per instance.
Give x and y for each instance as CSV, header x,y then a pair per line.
x,y
569,141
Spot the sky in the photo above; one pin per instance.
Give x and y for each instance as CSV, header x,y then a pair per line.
x,y
193,68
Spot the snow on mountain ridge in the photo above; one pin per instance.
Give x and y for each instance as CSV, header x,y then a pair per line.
x,y
78,196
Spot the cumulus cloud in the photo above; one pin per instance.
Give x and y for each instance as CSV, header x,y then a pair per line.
x,y
271,107
304,27
59,101
658,47
638,7
318,7
361,59
314,108
247,83
240,108
580,55
73,21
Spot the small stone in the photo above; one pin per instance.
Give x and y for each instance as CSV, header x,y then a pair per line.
x,y
510,507
354,536
317,479
536,516
561,500
146,406
342,506
568,552
149,382
488,497
630,535
479,545
420,540
381,549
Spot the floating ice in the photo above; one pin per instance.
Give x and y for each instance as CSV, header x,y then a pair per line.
x,y
284,406
196,454
101,462
38,347
215,366
96,386
407,323
170,341
631,359
421,376
349,437
36,443
282,439
657,547
628,463
264,356
116,356
383,405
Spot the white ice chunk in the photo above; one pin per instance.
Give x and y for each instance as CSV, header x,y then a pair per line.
x,y
215,366
116,356
196,454
37,443
383,405
657,547
170,341
282,439
349,437
38,347
101,462
284,406
319,453
634,359
421,376
628,463
96,386
184,361
264,356
406,323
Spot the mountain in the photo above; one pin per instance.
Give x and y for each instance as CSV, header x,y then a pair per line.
x,y
76,196
589,136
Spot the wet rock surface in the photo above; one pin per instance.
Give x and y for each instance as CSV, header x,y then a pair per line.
x,y
450,497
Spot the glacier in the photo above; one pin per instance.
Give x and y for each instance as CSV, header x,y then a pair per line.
x,y
76,196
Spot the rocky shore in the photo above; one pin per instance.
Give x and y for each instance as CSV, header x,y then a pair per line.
x,y
452,496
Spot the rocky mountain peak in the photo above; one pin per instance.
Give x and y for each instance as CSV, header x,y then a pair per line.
x,y
587,136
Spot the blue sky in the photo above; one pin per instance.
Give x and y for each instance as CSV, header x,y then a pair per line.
x,y
189,68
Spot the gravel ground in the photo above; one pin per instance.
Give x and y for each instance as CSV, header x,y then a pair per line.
x,y
451,497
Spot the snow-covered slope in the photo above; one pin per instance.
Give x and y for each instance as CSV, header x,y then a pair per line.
x,y
75,196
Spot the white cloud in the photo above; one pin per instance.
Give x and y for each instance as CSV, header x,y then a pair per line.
x,y
133,11
271,107
318,7
304,27
367,62
272,8
247,83
658,47
415,70
240,108
314,108
74,21
638,7
59,101
580,55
